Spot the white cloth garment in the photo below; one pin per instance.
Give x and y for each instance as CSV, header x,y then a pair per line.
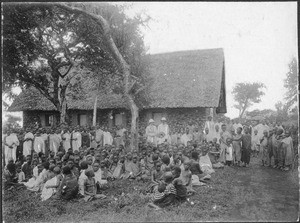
x,y
48,192
107,138
27,145
54,143
151,133
10,153
76,142
67,141
165,129
39,144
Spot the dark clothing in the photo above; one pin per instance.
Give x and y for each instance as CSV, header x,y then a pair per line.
x,y
181,191
270,148
27,169
19,151
246,148
85,139
68,188
195,168
166,201
281,156
228,163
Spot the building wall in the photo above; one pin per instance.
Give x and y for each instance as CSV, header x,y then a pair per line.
x,y
176,117
31,118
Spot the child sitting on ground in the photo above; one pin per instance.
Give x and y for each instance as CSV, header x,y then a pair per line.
x,y
181,190
158,195
68,188
82,177
169,197
10,174
20,174
26,168
156,177
90,189
186,176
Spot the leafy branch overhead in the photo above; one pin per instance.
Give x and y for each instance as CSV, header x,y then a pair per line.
x,y
51,47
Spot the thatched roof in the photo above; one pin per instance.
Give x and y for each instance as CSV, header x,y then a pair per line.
x,y
181,79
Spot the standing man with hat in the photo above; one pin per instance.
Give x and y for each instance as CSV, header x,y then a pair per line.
x,y
163,131
151,132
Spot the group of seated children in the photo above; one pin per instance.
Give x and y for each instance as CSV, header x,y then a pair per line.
x,y
170,172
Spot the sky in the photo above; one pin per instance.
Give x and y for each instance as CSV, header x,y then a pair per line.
x,y
259,39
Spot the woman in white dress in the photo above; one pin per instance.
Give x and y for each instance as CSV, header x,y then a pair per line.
x,y
51,185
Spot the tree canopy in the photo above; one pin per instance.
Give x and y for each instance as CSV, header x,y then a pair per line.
x,y
246,94
291,83
49,47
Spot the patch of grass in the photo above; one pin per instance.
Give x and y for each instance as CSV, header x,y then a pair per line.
x,y
124,202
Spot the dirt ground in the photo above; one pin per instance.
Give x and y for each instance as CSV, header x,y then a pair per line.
x,y
264,194
237,194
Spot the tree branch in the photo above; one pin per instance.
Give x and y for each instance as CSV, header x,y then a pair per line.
x,y
140,89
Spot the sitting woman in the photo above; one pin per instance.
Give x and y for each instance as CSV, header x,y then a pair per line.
x,y
51,185
36,181
205,163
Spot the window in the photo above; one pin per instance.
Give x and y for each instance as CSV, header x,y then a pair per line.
x,y
48,120
82,119
118,119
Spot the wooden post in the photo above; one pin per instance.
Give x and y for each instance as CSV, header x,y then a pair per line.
x,y
95,111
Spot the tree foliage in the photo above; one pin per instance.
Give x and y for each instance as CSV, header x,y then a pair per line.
x,y
246,94
12,121
258,112
50,48
291,83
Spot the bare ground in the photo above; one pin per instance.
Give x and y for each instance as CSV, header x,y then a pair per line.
x,y
234,194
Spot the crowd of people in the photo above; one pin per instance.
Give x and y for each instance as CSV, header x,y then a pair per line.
x,y
69,162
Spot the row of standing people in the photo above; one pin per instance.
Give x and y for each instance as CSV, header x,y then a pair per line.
x,y
18,146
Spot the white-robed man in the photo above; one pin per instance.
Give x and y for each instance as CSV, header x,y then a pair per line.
x,y
27,145
120,133
76,139
107,137
10,142
210,124
99,136
39,142
151,132
163,132
54,141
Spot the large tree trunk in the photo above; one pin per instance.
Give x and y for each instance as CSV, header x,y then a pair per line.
x,y
62,104
134,117
124,67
